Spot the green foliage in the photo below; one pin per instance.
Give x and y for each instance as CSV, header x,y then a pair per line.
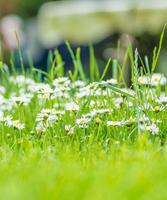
x,y
81,136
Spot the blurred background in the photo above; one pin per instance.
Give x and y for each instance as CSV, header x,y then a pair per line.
x,y
38,26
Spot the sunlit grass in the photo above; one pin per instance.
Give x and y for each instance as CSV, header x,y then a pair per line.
x,y
72,136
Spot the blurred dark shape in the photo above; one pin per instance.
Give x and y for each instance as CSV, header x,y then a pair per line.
x,y
29,8
104,23
23,8
8,7
101,23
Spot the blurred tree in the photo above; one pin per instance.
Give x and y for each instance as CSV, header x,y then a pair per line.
x,y
24,8
28,8
8,7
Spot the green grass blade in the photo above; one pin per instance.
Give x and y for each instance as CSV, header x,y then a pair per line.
x,y
20,54
60,64
115,69
156,56
147,64
116,89
93,66
105,69
80,67
75,75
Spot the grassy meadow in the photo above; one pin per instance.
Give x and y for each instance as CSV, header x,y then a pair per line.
x,y
73,136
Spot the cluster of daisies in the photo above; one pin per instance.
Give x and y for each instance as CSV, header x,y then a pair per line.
x,y
72,105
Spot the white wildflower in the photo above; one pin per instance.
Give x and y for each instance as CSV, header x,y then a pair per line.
x,y
16,124
71,106
152,128
78,84
158,79
61,81
102,111
144,80
61,92
152,80
117,102
162,100
112,81
6,120
83,122
115,123
69,129
21,80
46,115
2,90
40,128
25,99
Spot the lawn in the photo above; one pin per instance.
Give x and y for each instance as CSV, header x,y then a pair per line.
x,y
72,136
